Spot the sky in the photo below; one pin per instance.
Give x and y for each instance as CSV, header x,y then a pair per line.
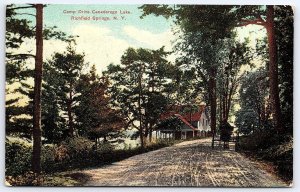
x,y
103,41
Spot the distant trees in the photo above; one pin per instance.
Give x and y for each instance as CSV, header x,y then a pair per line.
x,y
232,57
137,86
255,110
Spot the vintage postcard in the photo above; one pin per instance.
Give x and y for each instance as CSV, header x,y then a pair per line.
x,y
149,95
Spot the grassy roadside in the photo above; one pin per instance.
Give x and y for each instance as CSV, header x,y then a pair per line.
x,y
68,175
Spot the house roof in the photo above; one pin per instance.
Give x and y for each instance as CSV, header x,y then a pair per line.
x,y
185,118
193,117
176,110
185,121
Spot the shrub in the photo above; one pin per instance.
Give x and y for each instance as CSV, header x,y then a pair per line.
x,y
17,157
105,147
49,157
282,156
275,148
26,179
77,152
258,141
78,145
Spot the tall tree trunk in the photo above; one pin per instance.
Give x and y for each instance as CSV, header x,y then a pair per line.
x,y
212,98
273,69
37,131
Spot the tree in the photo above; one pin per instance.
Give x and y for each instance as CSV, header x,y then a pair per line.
x,y
95,117
255,111
214,26
266,18
17,30
18,120
136,86
232,57
37,132
216,21
65,70
285,36
54,125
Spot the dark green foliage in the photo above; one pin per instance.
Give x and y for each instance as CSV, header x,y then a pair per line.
x,y
19,118
138,87
17,157
73,153
18,30
61,77
255,110
285,35
271,147
194,18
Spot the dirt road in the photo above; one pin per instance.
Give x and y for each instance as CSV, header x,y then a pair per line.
x,y
190,163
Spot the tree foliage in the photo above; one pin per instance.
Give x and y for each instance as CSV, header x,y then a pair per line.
x,y
137,86
95,117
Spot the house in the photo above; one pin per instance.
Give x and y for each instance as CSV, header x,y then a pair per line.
x,y
193,120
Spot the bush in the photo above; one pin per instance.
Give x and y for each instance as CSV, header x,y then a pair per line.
x,y
258,141
17,157
77,152
273,148
73,153
282,156
105,147
50,154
